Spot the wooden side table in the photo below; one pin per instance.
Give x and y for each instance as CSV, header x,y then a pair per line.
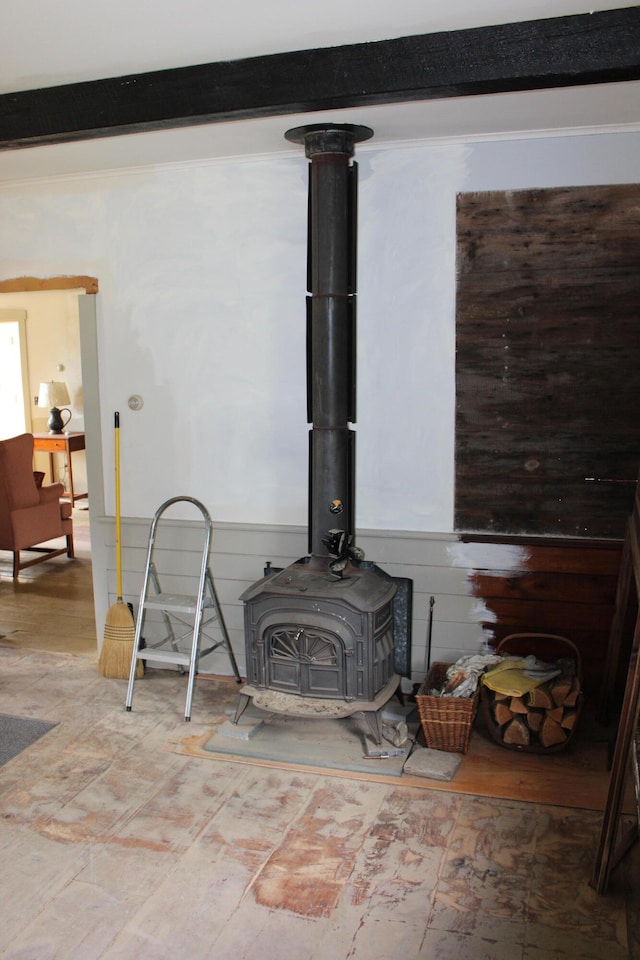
x,y
66,443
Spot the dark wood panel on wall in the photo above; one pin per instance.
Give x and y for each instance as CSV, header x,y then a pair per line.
x,y
568,590
548,361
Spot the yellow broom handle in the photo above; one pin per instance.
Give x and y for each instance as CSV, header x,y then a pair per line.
x,y
117,477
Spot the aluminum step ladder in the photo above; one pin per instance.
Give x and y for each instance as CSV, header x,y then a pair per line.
x,y
193,616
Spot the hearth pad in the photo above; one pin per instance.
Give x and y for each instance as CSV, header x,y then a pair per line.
x,y
340,744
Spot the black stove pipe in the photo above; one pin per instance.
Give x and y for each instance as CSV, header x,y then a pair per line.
x,y
331,327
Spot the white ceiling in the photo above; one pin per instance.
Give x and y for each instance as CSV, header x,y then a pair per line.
x,y
64,42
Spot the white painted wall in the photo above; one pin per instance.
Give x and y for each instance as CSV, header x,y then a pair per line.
x,y
202,270
201,312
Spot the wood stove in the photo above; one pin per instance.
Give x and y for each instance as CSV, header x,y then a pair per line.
x,y
319,635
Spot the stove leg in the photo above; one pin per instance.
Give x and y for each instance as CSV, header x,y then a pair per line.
x,y
374,723
242,706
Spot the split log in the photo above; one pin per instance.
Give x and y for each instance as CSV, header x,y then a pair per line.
x,y
572,697
502,713
569,719
560,690
517,705
517,733
562,684
556,713
534,719
551,733
540,697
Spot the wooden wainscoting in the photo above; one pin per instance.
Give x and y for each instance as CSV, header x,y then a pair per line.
x,y
554,587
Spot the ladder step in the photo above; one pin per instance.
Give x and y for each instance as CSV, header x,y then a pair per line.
x,y
175,602
164,656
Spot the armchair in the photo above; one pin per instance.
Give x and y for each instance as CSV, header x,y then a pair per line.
x,y
30,514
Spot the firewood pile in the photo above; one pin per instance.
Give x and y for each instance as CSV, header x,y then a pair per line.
x,y
542,718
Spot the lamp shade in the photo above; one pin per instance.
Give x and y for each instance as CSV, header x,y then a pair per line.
x,y
54,393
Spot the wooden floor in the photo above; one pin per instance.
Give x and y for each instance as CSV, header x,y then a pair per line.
x,y
118,844
50,606
578,778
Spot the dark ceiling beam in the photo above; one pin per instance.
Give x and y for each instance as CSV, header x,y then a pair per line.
x,y
600,47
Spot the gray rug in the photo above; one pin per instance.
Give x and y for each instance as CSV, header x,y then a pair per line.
x,y
18,733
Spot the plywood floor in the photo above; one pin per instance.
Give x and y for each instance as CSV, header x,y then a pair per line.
x,y
121,847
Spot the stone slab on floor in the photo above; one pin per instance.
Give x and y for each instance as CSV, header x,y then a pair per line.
x,y
432,764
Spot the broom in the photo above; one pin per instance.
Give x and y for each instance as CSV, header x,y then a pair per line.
x,y
119,628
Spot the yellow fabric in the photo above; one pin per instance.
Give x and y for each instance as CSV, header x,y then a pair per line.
x,y
509,678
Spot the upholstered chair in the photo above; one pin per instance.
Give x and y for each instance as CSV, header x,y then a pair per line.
x,y
29,514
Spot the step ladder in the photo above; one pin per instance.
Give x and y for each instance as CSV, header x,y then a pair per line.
x,y
192,616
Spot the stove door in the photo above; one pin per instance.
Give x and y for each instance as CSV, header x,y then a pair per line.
x,y
305,660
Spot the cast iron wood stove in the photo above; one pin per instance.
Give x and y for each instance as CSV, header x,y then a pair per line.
x,y
319,634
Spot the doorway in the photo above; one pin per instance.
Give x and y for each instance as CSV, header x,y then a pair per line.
x,y
42,334
70,340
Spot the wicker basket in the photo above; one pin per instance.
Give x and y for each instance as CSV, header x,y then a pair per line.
x,y
446,721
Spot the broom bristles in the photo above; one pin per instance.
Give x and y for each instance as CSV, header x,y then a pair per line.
x,y
118,644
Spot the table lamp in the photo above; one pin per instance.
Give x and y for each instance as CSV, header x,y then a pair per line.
x,y
54,394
